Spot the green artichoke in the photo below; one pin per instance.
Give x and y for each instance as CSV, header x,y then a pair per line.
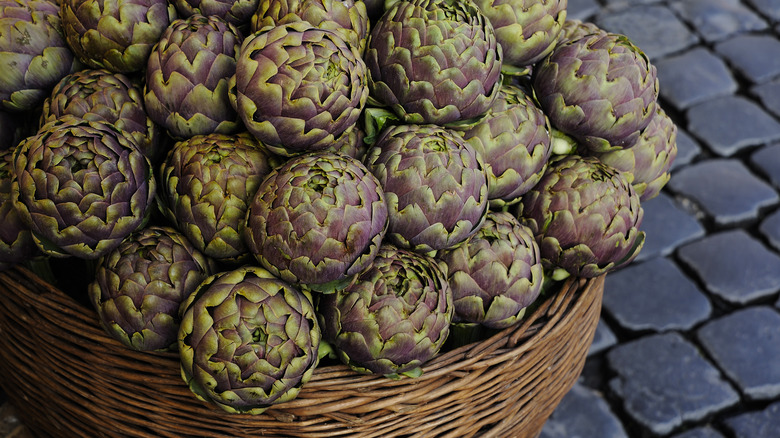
x,y
187,76
318,219
299,87
117,35
140,285
585,217
646,164
33,52
350,143
496,274
207,183
235,12
527,30
576,29
600,89
99,94
435,184
16,242
248,340
81,187
348,18
393,318
514,139
434,61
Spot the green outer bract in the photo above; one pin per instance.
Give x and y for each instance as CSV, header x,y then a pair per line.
x,y
33,53
82,187
117,35
514,139
496,274
248,340
585,217
348,18
298,87
434,61
140,285
575,29
236,12
526,29
187,76
393,318
99,94
16,241
646,164
207,183
600,89
317,220
435,184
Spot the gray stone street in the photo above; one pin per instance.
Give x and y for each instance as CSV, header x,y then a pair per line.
x,y
689,341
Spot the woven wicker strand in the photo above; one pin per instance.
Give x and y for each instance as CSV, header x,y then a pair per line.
x,y
67,378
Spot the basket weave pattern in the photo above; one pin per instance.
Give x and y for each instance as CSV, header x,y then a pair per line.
x,y
67,378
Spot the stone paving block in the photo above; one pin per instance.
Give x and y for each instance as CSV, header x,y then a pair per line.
x,y
725,189
603,339
768,8
654,295
769,95
734,266
719,19
756,56
729,124
581,9
653,28
768,160
770,228
666,226
664,382
745,345
693,77
757,424
687,149
700,432
583,413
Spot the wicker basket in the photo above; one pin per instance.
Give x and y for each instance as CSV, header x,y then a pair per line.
x,y
67,378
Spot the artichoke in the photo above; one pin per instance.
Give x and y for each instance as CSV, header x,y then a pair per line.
x,y
235,12
348,18
207,184
99,94
117,35
393,318
496,274
247,340
527,30
600,89
140,285
352,143
16,242
585,217
81,187
33,52
318,219
299,87
434,61
435,184
646,164
576,29
514,139
187,76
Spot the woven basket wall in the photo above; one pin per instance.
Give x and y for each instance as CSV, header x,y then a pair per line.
x,y
66,378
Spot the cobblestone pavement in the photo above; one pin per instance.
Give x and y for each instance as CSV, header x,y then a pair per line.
x,y
689,342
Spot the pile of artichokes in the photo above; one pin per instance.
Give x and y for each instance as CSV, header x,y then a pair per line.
x,y
262,185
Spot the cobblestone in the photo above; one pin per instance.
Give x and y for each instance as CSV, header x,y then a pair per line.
x,y
664,382
693,77
746,346
700,432
767,159
667,227
583,413
757,424
731,123
603,339
687,149
719,19
770,228
654,295
769,8
725,189
734,266
756,56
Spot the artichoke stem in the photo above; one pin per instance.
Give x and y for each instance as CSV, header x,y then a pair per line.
x,y
41,267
